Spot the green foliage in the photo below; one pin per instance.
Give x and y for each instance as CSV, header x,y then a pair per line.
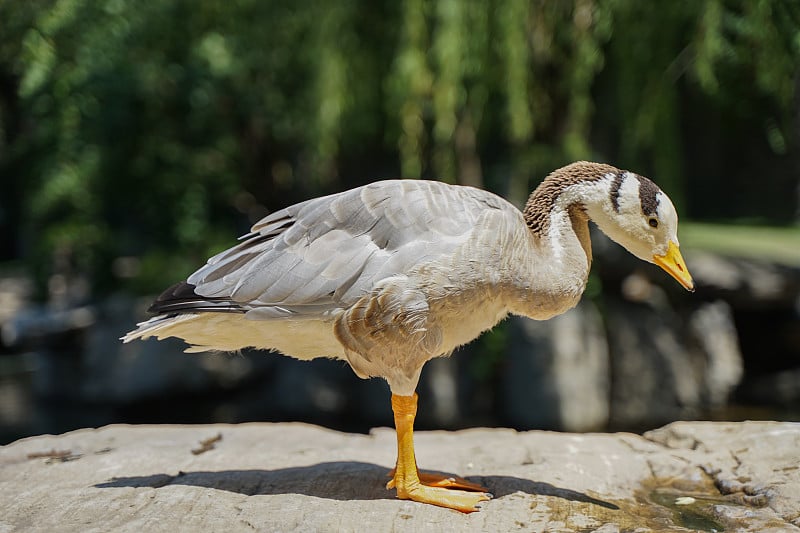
x,y
133,129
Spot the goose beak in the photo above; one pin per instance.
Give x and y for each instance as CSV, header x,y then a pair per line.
x,y
674,265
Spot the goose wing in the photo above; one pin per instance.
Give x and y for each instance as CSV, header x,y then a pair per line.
x,y
327,252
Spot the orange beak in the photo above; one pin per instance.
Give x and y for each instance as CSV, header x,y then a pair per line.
x,y
672,262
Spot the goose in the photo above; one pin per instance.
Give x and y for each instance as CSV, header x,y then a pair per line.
x,y
391,274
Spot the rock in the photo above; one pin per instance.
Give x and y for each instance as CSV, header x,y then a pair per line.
x,y
667,365
757,468
745,282
15,293
764,299
296,477
556,373
713,326
656,377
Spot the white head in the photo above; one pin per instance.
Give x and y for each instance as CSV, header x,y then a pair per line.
x,y
640,217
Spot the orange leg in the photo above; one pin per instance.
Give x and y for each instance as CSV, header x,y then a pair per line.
x,y
426,488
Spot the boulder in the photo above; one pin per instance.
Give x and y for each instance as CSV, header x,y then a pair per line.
x,y
296,477
666,365
556,373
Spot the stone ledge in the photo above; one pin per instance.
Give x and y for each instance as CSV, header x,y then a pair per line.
x,y
287,477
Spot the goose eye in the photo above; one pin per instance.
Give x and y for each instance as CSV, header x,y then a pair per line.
x,y
653,222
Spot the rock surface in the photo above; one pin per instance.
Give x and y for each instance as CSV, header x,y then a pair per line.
x,y
295,477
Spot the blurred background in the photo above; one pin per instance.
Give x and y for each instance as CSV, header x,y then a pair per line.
x,y
139,138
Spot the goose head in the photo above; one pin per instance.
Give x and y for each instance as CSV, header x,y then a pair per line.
x,y
640,217
629,208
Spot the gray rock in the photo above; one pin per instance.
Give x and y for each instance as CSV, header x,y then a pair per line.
x,y
745,282
713,326
556,373
296,477
656,377
750,463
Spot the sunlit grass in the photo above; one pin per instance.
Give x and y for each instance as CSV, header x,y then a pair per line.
x,y
781,244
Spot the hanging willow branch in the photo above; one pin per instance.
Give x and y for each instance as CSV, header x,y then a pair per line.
x,y
192,103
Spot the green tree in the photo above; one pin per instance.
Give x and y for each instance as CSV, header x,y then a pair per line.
x,y
157,129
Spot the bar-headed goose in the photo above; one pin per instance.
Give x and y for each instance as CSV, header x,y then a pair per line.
x,y
391,274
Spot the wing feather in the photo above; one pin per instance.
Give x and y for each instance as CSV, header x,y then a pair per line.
x,y
327,252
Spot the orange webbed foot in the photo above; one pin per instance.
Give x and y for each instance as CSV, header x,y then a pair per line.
x,y
445,491
459,500
441,481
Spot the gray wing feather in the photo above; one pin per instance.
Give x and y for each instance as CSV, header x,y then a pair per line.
x,y
328,252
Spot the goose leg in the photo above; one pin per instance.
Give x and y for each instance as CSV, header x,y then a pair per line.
x,y
426,488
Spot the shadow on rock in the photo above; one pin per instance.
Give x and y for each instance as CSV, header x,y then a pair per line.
x,y
504,485
334,480
341,480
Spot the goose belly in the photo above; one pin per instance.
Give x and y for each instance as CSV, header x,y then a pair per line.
x,y
464,322
301,339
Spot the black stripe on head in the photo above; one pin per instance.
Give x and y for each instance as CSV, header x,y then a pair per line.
x,y
648,196
615,190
